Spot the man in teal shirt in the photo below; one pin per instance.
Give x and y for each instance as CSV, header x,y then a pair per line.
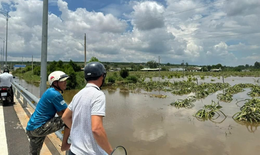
x,y
43,121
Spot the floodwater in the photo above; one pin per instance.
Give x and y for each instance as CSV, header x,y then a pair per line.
x,y
146,125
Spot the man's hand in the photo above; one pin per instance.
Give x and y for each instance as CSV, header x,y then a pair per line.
x,y
65,146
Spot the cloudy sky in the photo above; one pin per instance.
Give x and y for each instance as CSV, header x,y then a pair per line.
x,y
199,32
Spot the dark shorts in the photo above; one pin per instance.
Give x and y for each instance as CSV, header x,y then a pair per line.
x,y
38,135
71,153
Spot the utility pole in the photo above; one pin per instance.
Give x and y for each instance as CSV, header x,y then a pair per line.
x,y
6,40
159,73
6,14
44,47
183,68
3,55
1,58
159,66
32,64
85,51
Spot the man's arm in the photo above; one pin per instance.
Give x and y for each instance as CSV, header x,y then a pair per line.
x,y
67,117
100,133
60,113
65,145
11,79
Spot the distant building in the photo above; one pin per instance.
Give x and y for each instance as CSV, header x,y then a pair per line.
x,y
215,70
115,69
176,69
194,69
150,69
19,66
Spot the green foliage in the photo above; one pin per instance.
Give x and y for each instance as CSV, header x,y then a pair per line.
x,y
71,82
94,59
59,65
209,111
250,112
52,67
111,79
257,65
164,69
124,73
37,70
152,64
226,97
184,103
75,67
27,68
115,74
132,79
80,79
107,67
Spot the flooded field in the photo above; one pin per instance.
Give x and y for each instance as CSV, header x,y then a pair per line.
x,y
147,125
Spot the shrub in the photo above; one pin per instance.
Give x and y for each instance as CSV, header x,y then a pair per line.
x,y
111,79
124,73
132,79
37,70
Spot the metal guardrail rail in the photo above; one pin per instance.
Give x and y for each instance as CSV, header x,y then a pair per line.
x,y
25,97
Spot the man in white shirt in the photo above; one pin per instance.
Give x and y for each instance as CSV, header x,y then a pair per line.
x,y
84,115
6,80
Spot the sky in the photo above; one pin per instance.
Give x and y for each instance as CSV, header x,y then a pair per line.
x,y
197,32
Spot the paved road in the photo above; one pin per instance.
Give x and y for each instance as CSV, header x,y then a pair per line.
x,y
16,138
13,139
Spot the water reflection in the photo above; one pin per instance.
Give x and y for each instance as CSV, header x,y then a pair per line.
x,y
33,88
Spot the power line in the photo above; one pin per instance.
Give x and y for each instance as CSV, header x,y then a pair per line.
x,y
216,2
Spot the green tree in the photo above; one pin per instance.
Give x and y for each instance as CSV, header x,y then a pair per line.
x,y
37,70
107,67
52,67
72,81
257,65
152,64
59,65
75,67
94,59
132,66
209,67
124,73
164,68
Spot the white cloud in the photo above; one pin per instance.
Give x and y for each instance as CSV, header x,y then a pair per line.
x,y
200,33
148,15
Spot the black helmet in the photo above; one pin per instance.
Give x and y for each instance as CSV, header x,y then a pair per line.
x,y
6,70
94,70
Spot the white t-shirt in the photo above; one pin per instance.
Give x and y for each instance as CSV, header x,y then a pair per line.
x,y
88,101
6,79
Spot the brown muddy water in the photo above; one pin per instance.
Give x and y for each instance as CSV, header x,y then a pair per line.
x,y
146,125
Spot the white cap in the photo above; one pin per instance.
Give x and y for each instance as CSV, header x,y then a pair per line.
x,y
57,76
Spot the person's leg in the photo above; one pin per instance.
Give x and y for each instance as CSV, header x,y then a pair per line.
x,y
38,135
36,145
51,126
12,94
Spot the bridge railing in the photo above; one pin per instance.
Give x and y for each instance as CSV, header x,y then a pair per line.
x,y
25,97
